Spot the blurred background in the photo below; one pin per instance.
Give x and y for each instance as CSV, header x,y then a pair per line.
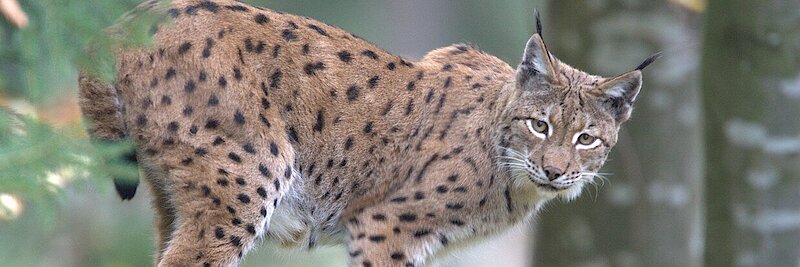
x,y
705,174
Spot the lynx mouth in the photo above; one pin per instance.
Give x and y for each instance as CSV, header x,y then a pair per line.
x,y
549,187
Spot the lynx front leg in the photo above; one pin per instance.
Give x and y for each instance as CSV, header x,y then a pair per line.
x,y
387,236
223,201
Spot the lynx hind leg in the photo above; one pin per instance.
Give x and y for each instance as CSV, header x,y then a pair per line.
x,y
165,215
223,201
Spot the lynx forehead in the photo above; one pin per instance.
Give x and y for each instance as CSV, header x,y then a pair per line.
x,y
254,123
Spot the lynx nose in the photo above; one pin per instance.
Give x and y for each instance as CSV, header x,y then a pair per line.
x,y
552,172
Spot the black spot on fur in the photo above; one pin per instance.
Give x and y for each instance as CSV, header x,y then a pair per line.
x,y
276,51
370,54
411,85
234,157
368,128
454,206
348,143
288,35
292,133
236,241
219,233
222,82
377,238
213,101
210,6
243,198
237,73
173,126
248,44
212,124
237,8
273,148
421,233
261,19
288,172
184,48
190,86
320,124
452,178
249,148
387,108
397,256
275,79
442,189
170,73
318,30
409,106
191,10
218,141
352,93
264,170
345,56
441,103
373,81
173,12
260,47
238,117
311,68
261,192
251,229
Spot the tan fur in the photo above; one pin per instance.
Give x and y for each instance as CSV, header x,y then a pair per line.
x,y
316,136
99,105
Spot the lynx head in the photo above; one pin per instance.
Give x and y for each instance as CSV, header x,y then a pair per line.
x,y
561,122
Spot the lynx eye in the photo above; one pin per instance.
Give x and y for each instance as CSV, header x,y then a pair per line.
x,y
538,127
586,141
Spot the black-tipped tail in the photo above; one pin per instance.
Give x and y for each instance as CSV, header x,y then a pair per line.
x,y
98,101
126,188
648,61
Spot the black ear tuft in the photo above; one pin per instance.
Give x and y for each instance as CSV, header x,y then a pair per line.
x,y
648,61
538,22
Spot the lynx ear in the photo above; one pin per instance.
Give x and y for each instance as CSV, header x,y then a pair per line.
x,y
618,94
536,60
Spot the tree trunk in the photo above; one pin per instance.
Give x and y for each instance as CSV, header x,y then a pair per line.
x,y
752,94
649,213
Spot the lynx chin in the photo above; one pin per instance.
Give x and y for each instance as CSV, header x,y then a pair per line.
x,y
251,123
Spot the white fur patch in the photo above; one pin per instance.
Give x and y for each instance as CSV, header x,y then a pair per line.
x,y
616,91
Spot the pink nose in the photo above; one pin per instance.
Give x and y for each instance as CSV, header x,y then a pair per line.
x,y
552,172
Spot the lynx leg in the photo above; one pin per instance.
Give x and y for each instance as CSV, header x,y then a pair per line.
x,y
385,236
165,214
222,208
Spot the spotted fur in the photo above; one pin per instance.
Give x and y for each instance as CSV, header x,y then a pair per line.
x,y
252,123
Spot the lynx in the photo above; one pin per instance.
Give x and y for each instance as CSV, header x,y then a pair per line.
x,y
251,123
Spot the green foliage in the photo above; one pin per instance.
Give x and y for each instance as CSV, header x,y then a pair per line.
x,y
38,68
